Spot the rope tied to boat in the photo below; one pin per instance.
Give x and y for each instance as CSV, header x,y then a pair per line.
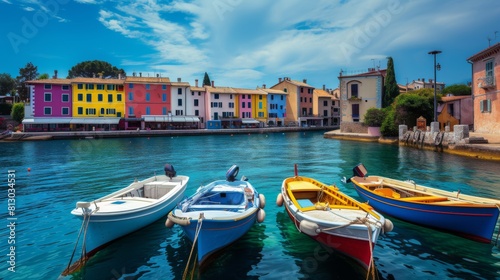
x,y
83,257
197,232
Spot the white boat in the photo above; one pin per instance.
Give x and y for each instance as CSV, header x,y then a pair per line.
x,y
127,210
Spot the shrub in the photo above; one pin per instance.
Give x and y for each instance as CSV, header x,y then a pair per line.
x,y
374,117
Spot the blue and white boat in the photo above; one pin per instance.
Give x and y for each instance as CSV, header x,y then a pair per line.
x,y
218,214
127,210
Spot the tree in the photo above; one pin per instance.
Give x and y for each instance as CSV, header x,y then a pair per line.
x,y
390,84
28,73
89,69
7,84
412,105
206,80
43,76
17,113
457,89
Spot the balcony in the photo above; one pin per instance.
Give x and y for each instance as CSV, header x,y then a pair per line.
x,y
486,82
354,99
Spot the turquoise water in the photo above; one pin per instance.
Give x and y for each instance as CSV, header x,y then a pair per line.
x,y
65,171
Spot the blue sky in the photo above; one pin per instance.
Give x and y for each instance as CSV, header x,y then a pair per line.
x,y
247,43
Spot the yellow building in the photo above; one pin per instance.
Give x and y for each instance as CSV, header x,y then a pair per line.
x,y
98,98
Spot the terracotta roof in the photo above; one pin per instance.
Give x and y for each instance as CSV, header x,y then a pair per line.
x,y
180,84
370,73
248,91
273,91
198,89
322,93
453,98
220,90
50,81
149,80
97,81
485,53
300,84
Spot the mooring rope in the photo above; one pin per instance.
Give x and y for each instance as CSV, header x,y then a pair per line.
x,y
197,232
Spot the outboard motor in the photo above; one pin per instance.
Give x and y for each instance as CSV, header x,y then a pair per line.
x,y
232,173
359,170
170,171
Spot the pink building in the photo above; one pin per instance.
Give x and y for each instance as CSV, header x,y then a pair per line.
x,y
485,90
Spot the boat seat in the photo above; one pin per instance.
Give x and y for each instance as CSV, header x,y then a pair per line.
x,y
387,192
304,202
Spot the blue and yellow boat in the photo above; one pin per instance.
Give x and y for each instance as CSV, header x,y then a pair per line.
x,y
468,216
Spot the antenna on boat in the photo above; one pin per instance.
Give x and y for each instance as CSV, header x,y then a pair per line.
x,y
295,170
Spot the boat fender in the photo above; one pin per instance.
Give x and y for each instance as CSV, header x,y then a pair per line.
x,y
439,139
262,201
309,228
82,204
279,200
388,226
169,223
177,220
322,206
261,215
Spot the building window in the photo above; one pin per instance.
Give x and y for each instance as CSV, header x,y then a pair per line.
x,y
179,91
80,110
65,111
485,106
99,97
325,113
90,111
249,105
242,104
102,111
47,111
164,87
65,98
130,85
216,96
47,86
47,97
119,97
89,97
131,111
147,96
164,110
90,86
111,111
130,96
65,87
231,104
179,102
164,97
147,86
196,112
110,98
110,87
196,102
80,86
354,90
80,97
100,86
490,75
325,103
148,111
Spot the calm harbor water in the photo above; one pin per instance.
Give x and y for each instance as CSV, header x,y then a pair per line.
x,y
65,171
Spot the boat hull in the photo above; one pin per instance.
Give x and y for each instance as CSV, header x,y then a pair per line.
x,y
358,250
217,234
472,222
105,227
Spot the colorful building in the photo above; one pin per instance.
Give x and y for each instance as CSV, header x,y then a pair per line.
x,y
299,108
50,107
454,110
360,92
276,106
97,98
485,90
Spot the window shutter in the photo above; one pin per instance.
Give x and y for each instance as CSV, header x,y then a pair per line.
x,y
488,105
481,106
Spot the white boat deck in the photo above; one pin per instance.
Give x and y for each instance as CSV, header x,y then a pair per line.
x,y
122,204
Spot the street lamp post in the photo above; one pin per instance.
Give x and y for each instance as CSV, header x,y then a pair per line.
x,y
436,67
